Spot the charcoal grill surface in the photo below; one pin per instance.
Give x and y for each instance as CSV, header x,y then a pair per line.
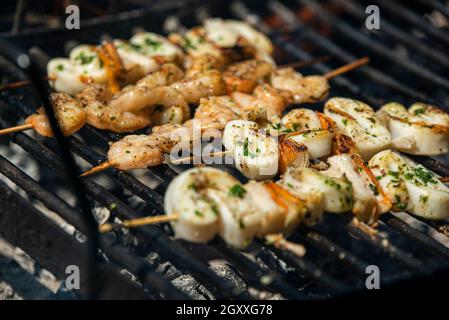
x,y
409,63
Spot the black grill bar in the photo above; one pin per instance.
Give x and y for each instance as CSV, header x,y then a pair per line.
x,y
152,235
173,251
260,274
399,11
420,237
437,5
372,73
375,46
394,252
72,216
399,35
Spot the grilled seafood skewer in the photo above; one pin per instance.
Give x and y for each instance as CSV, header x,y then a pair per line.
x,y
410,186
358,121
421,129
203,202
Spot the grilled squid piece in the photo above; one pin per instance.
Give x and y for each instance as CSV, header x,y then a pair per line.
x,y
142,151
259,156
421,130
411,186
358,121
304,126
188,196
145,52
281,210
370,199
309,89
72,74
68,111
318,190
238,222
226,34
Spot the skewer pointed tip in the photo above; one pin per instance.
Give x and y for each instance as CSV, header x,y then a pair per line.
x,y
101,167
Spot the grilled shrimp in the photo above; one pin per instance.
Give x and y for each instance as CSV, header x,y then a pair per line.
x,y
335,194
370,199
201,85
245,76
147,93
194,197
203,63
68,111
358,121
266,97
411,186
421,130
309,89
305,127
95,100
216,112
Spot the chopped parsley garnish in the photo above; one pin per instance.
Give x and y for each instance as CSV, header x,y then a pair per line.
x,y
241,224
60,67
154,44
193,187
374,189
237,191
344,121
245,148
198,213
84,59
421,175
419,111
423,199
215,210
135,47
188,44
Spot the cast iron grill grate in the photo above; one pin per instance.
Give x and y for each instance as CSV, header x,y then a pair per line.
x,y
337,252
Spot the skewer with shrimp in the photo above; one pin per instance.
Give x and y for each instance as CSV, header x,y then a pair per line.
x,y
95,98
216,112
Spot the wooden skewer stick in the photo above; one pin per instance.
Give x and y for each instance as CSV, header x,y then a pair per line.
x,y
346,68
138,222
211,155
107,164
21,127
100,167
276,240
20,84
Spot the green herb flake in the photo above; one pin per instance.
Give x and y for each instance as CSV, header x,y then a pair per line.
x,y
419,111
423,199
237,191
84,59
153,44
198,213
